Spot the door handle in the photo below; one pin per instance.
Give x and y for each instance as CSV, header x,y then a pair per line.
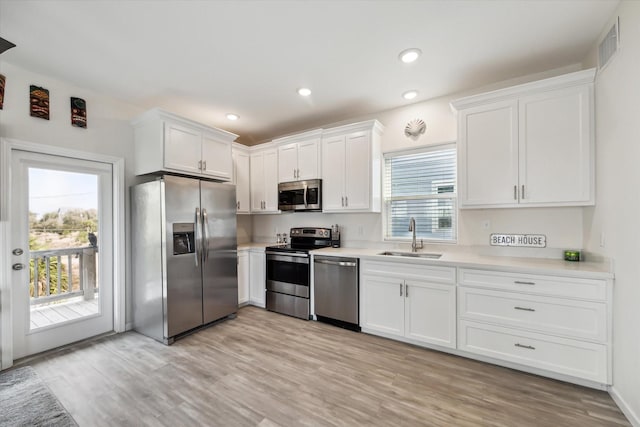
x,y
401,284
197,252
406,291
523,191
18,266
205,236
346,200
306,204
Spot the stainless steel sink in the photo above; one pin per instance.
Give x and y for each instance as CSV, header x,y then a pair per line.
x,y
412,254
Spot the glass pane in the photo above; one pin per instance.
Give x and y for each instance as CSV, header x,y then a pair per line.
x,y
435,218
63,242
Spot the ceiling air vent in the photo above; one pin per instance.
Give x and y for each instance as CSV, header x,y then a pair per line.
x,y
609,45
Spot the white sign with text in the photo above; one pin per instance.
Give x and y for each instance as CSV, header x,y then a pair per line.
x,y
522,240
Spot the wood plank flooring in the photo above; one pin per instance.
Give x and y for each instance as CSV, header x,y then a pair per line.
x,y
265,369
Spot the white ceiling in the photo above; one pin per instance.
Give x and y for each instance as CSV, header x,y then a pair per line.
x,y
203,59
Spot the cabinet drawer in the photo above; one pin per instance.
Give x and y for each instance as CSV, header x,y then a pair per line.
x,y
409,271
571,318
569,357
545,285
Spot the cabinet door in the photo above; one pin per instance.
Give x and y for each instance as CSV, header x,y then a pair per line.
x,y
287,163
382,305
357,171
216,158
243,197
430,313
488,155
271,180
556,147
257,265
243,277
333,167
182,148
308,159
257,182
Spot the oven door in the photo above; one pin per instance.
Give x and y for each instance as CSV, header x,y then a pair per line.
x,y
288,273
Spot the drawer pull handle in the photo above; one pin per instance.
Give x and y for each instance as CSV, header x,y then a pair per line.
x,y
524,308
520,282
528,347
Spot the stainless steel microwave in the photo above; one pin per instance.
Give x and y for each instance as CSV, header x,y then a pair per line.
x,y
300,195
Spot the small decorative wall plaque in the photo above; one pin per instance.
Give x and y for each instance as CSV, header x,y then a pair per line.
x,y
78,112
3,79
521,240
415,128
39,102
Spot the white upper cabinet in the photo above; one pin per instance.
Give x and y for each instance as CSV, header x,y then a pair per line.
x,y
351,168
299,156
529,145
241,178
165,142
264,181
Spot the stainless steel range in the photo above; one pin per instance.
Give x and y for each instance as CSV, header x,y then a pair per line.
x,y
289,271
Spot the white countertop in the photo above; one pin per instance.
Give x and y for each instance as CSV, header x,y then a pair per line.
x,y
591,270
466,259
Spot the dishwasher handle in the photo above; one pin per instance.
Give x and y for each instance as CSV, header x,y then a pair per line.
x,y
338,263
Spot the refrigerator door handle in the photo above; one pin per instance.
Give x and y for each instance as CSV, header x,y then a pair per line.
x,y
197,251
205,236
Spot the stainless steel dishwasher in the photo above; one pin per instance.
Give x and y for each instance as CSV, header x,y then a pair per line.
x,y
336,291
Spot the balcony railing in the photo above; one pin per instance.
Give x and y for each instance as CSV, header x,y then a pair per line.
x,y
58,274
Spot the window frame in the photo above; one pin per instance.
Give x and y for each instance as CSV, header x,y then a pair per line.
x,y
453,196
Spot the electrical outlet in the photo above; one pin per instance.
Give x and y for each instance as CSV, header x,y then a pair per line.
x,y
360,230
486,224
602,239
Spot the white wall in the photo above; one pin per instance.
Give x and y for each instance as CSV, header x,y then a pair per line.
x,y
617,210
562,226
108,130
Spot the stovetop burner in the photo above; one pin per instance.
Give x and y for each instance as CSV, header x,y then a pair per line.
x,y
305,239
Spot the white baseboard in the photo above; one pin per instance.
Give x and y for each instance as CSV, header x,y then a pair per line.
x,y
633,418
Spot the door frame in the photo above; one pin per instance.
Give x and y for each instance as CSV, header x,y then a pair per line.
x,y
7,145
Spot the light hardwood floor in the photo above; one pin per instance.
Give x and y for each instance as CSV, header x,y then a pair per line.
x,y
265,369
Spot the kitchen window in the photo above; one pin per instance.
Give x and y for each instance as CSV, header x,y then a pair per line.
x,y
421,184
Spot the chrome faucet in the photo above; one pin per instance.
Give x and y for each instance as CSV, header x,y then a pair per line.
x,y
414,245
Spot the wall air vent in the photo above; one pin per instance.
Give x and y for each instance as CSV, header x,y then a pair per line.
x,y
609,45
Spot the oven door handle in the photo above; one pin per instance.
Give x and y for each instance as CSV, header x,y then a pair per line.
x,y
295,258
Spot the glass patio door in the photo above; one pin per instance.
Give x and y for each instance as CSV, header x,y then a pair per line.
x,y
62,251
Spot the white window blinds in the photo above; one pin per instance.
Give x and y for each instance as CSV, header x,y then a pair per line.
x,y
421,185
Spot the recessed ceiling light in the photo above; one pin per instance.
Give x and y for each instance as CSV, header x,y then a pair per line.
x,y
410,94
232,116
303,91
409,55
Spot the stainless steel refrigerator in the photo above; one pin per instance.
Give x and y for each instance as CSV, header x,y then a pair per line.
x,y
184,255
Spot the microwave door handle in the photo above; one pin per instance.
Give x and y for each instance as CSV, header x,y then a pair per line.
x,y
306,204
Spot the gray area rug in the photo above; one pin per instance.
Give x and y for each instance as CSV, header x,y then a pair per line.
x,y
27,401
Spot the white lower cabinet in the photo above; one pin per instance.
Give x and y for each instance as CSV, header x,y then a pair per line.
x,y
412,302
556,324
243,277
257,277
580,359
